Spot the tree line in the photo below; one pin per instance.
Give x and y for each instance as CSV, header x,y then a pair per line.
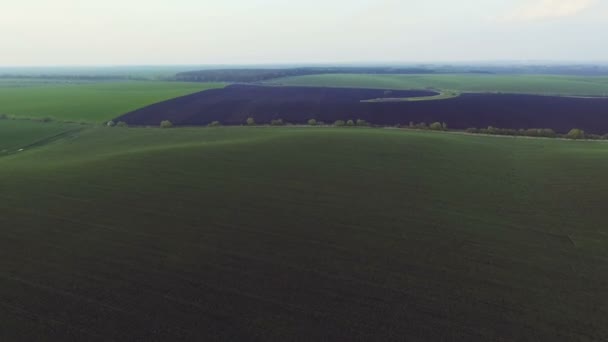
x,y
274,122
256,75
575,133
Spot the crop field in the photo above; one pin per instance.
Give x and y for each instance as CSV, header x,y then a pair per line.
x,y
79,101
20,134
234,104
252,233
516,84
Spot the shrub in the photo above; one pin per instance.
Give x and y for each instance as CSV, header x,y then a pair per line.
x,y
507,131
531,132
277,122
122,124
422,125
111,123
3,117
250,121
166,124
339,123
548,132
576,133
361,122
436,126
605,136
312,122
502,131
214,124
350,123
538,132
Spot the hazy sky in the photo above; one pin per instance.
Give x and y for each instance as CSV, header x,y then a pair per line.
x,y
111,32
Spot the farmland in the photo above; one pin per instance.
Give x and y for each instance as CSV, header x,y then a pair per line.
x,y
20,134
515,84
234,104
92,102
265,170
266,233
252,233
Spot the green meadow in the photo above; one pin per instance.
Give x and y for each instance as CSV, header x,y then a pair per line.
x,y
235,233
91,102
527,84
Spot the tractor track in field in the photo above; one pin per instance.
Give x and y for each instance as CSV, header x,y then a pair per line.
x,y
42,142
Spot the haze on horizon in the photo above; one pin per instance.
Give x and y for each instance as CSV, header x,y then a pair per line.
x,y
155,32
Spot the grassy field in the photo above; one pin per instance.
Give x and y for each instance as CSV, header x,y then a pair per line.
x,y
527,84
321,233
92,102
158,73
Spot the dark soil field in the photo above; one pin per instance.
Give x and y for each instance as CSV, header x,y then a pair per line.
x,y
234,104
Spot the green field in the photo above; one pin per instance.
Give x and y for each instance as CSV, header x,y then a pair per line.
x,y
93,102
322,233
443,95
527,84
20,134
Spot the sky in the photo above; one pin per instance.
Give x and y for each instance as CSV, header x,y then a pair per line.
x,y
157,32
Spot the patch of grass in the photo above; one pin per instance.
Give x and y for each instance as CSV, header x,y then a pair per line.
x,y
87,101
319,233
443,95
526,84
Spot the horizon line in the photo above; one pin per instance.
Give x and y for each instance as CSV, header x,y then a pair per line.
x,y
304,64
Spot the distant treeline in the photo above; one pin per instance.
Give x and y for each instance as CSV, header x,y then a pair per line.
x,y
263,74
569,70
256,75
574,133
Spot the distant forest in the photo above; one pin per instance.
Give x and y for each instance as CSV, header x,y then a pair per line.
x,y
261,74
256,75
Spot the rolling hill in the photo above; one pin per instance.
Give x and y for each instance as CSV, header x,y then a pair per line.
x,y
251,233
